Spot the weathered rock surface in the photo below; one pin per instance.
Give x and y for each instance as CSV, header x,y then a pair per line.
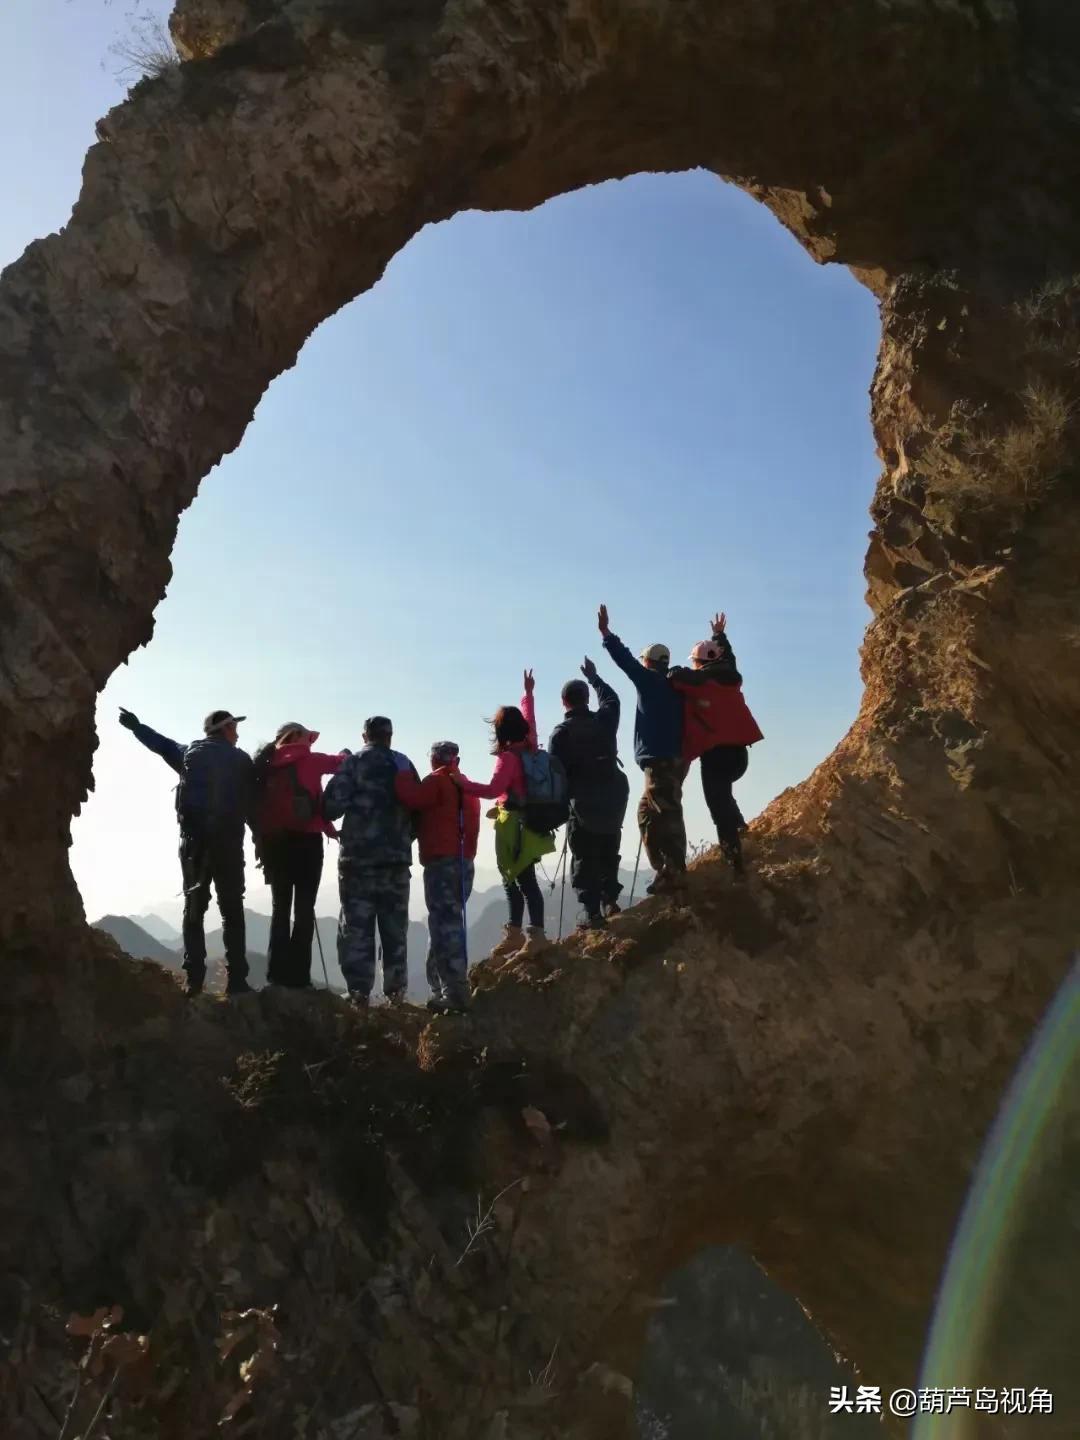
x,y
805,1066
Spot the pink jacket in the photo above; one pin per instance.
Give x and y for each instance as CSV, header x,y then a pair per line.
x,y
508,777
311,766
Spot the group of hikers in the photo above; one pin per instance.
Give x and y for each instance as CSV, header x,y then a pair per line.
x,y
683,713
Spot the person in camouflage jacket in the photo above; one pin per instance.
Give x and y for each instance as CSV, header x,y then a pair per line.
x,y
373,864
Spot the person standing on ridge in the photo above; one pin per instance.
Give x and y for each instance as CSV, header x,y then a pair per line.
x,y
585,741
449,827
658,727
517,848
289,830
719,727
373,864
213,804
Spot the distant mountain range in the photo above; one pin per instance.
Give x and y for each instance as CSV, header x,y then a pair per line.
x,y
152,938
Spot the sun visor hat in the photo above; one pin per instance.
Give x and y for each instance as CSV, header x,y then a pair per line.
x,y
292,728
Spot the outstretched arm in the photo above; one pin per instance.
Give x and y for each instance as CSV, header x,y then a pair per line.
x,y
608,705
339,792
169,750
329,764
528,708
499,783
416,794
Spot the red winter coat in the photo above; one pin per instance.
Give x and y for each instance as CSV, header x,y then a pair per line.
x,y
436,799
713,714
275,807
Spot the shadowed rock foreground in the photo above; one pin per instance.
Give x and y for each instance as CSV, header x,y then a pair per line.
x,y
804,1066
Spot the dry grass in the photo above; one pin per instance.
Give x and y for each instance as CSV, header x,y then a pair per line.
x,y
1051,318
1015,467
146,52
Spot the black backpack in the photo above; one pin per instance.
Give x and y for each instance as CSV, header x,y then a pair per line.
x,y
547,794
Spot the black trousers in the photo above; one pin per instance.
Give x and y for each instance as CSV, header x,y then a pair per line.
x,y
720,768
213,857
594,865
292,861
526,888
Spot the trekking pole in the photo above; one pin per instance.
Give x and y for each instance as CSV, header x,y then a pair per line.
x,y
322,957
562,891
561,861
637,862
461,871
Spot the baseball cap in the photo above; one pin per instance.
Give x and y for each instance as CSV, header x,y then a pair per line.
x,y
218,719
444,751
378,725
657,652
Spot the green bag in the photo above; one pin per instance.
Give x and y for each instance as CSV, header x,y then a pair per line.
x,y
516,846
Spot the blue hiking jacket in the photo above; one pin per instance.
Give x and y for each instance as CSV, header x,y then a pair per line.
x,y
216,779
376,829
659,717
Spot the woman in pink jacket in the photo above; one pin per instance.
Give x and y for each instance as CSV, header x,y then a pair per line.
x,y
289,829
515,734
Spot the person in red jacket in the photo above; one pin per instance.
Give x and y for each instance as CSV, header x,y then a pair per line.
x,y
718,726
289,829
449,827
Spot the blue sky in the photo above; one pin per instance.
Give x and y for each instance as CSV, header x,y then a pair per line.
x,y
643,393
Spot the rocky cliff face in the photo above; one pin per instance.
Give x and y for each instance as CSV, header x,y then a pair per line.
x,y
804,1066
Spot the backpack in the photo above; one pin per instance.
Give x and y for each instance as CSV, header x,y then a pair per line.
x,y
547,804
214,784
285,804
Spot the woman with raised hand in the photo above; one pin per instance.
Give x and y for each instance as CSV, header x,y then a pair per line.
x,y
517,848
718,726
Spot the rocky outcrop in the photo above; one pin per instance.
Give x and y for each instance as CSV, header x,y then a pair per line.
x,y
805,1066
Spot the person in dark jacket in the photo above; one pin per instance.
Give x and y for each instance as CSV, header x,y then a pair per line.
x,y
719,727
449,824
373,864
585,741
658,750
213,804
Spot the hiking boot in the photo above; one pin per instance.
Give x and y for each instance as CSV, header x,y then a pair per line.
x,y
358,1000
668,882
593,922
512,941
395,999
612,908
732,853
535,944
448,1005
238,987
193,987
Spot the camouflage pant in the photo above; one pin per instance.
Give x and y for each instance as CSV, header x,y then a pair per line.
x,y
373,894
447,961
660,815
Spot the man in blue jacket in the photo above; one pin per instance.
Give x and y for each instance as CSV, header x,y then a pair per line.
x,y
213,803
658,750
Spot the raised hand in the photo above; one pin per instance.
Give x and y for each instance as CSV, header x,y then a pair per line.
x,y
719,624
530,683
128,719
602,620
588,669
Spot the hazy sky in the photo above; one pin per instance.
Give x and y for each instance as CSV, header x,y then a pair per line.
x,y
643,393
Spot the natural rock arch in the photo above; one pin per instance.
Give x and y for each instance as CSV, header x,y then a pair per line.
x,y
805,1067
